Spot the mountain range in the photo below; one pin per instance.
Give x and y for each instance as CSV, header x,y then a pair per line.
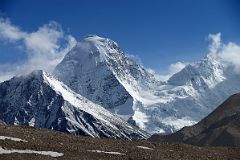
x,y
99,70
96,82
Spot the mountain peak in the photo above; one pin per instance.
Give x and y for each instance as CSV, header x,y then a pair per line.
x,y
207,70
92,51
93,37
100,42
39,100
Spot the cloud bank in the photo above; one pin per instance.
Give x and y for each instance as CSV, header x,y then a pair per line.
x,y
44,47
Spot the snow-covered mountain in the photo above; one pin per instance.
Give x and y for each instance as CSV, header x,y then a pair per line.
x,y
97,69
191,94
41,101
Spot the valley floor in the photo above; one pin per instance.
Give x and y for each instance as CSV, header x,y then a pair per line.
x,y
27,143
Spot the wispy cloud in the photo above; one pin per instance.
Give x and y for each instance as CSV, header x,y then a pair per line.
x,y
44,47
228,53
172,69
215,44
10,32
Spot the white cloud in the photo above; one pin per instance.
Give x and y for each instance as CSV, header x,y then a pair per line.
x,y
44,40
176,67
215,43
230,54
9,31
172,69
44,48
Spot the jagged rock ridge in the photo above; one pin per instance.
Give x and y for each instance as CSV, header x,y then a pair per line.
x,y
41,101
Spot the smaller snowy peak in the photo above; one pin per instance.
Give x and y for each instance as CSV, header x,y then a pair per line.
x,y
207,71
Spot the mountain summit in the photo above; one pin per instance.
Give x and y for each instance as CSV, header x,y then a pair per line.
x,y
85,70
97,69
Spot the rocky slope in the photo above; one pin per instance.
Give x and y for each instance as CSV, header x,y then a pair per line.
x,y
41,101
220,128
57,145
97,69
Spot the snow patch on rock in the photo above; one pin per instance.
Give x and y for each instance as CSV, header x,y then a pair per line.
x,y
12,139
46,153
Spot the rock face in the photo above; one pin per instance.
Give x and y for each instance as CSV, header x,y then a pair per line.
x,y
41,101
97,69
220,128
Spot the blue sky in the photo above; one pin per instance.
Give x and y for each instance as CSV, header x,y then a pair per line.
x,y
159,32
